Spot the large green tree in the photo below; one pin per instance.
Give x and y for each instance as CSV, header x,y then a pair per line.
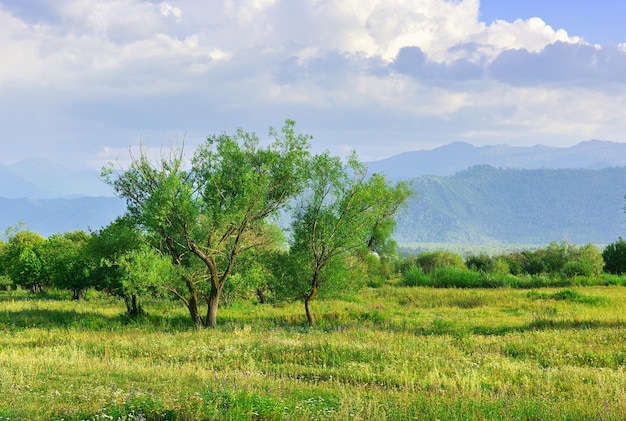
x,y
210,210
342,213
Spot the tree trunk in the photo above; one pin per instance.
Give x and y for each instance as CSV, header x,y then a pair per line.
x,y
129,305
307,306
192,305
192,302
77,294
133,307
214,300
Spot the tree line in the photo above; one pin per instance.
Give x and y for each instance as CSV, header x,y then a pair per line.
x,y
239,219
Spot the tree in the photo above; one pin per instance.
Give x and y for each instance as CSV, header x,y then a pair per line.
x,y
338,216
111,250
212,211
583,261
614,256
5,281
142,270
24,264
65,262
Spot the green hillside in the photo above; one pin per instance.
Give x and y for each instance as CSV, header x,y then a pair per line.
x,y
489,205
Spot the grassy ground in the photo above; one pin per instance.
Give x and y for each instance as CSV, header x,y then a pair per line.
x,y
388,353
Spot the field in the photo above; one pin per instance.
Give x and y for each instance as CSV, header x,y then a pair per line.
x,y
387,353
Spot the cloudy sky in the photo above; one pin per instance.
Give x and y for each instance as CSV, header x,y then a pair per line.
x,y
83,80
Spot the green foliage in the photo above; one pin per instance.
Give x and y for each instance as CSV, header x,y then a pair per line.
x,y
614,256
414,276
125,265
341,217
566,295
206,216
479,263
23,263
567,260
66,262
430,261
452,276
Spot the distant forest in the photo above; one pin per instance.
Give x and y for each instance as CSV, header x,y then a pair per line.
x,y
484,204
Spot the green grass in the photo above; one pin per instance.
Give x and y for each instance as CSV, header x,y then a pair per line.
x,y
388,353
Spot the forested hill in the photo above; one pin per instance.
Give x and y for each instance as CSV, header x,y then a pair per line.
x,y
488,205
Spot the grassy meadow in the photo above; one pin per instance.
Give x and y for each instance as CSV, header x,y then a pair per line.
x,y
386,353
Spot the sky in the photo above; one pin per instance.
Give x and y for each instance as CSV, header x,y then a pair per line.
x,y
82,81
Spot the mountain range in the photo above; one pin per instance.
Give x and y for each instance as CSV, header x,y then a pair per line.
x,y
487,205
458,156
467,194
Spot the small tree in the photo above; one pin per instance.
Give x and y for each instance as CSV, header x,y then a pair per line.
x,y
5,281
23,257
583,261
65,262
614,256
338,216
124,263
142,270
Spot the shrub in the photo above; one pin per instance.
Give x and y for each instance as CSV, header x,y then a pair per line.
x,y
446,277
439,259
497,279
414,276
480,263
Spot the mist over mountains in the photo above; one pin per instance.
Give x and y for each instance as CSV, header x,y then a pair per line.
x,y
38,178
467,194
50,198
458,156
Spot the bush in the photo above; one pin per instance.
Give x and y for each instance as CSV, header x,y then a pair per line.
x,y
414,276
439,259
480,263
446,277
612,279
497,279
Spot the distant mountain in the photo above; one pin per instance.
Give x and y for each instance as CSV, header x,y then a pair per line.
x,y
52,216
39,178
467,194
485,205
449,159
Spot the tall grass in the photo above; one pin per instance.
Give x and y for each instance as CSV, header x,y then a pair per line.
x,y
388,353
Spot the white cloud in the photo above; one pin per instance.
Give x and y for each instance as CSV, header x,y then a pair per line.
x,y
532,35
167,10
373,73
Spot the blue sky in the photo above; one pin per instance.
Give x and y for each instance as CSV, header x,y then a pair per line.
x,y
81,81
597,21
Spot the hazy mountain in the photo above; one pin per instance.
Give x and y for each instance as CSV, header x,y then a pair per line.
x,y
12,185
521,206
52,216
39,178
467,194
449,159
